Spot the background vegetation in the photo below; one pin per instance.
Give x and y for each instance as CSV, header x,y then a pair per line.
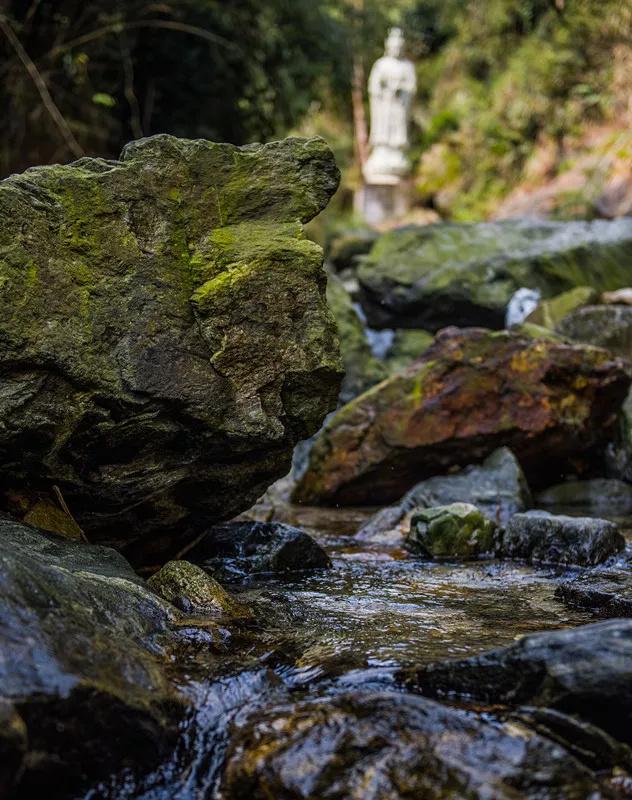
x,y
496,78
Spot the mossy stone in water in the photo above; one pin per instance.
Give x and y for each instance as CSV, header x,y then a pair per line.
x,y
458,530
192,590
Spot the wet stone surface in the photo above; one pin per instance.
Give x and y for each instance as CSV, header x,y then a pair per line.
x,y
349,632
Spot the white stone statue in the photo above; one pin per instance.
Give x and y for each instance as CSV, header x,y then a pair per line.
x,y
392,86
522,303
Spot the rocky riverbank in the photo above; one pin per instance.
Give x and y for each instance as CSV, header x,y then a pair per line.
x,y
434,604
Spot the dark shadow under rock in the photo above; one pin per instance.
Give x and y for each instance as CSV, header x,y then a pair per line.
x,y
236,549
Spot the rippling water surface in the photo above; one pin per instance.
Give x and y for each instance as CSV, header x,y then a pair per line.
x,y
376,610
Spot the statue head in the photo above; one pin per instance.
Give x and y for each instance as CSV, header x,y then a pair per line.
x,y
394,44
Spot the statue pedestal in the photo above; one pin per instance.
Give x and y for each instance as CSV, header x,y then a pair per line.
x,y
381,203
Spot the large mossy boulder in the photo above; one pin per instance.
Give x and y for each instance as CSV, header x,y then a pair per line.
x,y
164,335
436,275
84,649
472,391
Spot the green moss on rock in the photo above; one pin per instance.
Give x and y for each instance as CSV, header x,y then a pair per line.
x,y
458,530
436,275
165,338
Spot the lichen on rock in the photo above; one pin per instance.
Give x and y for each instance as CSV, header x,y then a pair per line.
x,y
164,335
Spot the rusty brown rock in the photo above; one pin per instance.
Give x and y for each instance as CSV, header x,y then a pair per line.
x,y
472,391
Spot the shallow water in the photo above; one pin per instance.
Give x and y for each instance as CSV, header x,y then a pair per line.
x,y
377,609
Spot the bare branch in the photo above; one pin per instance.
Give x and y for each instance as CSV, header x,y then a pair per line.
x,y
118,27
40,84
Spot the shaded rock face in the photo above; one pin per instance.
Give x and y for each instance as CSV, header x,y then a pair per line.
x,y
607,495
236,549
550,313
472,391
164,333
362,368
606,593
83,644
604,326
458,530
497,487
428,277
374,746
556,539
346,246
585,671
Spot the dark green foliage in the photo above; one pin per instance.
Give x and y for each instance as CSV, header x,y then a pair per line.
x,y
228,71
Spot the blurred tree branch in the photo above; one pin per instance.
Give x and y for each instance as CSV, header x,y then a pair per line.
x,y
42,88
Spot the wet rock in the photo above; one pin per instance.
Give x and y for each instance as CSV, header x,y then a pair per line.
x,y
165,336
618,461
236,549
497,487
588,743
192,590
13,747
83,689
430,276
362,368
470,392
538,536
599,494
458,530
585,671
605,592
371,746
604,326
550,313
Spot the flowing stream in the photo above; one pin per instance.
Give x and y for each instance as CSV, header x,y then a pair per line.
x,y
350,627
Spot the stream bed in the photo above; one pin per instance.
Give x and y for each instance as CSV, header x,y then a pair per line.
x,y
376,611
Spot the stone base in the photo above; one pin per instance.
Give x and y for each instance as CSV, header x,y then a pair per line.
x,y
379,204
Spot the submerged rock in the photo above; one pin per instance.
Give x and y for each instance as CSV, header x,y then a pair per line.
x,y
236,549
165,336
83,690
585,671
497,487
470,392
373,746
430,276
192,590
607,593
458,530
556,539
